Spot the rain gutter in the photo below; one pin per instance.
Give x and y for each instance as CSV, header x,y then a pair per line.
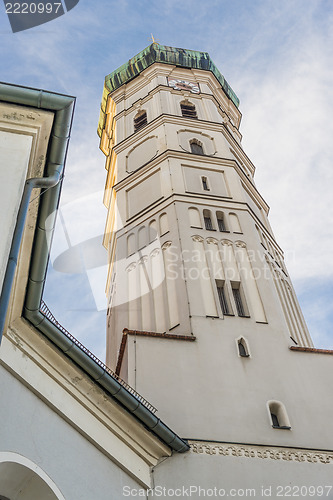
x,y
63,107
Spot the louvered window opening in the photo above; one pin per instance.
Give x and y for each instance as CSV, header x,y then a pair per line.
x,y
238,302
221,225
223,300
196,148
188,111
208,224
140,121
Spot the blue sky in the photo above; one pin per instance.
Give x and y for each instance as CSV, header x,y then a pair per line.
x,y
277,57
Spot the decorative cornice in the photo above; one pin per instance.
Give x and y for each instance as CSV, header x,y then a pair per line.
x,y
262,452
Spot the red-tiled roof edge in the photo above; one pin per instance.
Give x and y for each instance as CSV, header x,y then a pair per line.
x,y
121,352
126,332
311,349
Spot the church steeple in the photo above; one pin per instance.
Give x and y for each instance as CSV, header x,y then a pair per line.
x,y
191,253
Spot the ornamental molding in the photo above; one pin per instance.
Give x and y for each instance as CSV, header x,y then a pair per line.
x,y
166,245
131,267
262,452
212,241
240,244
143,260
155,252
198,239
227,243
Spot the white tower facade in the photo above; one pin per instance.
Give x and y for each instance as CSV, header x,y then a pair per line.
x,y
203,319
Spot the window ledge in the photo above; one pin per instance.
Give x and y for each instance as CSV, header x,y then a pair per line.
x,y
283,427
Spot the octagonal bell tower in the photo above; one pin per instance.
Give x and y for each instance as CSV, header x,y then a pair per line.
x,y
198,292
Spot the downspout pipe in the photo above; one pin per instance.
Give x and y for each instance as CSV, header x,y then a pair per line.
x,y
30,184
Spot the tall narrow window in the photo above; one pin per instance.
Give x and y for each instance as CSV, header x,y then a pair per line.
x,y
152,230
140,120
188,110
196,147
208,220
130,244
234,223
164,225
204,183
223,297
221,222
194,217
142,237
239,300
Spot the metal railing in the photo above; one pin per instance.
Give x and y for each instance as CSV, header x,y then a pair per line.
x,y
46,312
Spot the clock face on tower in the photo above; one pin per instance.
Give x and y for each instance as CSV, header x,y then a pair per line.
x,y
183,85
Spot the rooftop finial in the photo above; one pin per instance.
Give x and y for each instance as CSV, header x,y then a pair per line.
x,y
153,39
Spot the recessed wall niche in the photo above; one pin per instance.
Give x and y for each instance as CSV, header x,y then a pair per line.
x,y
141,154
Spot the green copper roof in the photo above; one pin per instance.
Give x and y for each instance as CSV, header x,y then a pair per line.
x,y
168,55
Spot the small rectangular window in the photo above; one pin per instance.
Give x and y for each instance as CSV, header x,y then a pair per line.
x,y
204,183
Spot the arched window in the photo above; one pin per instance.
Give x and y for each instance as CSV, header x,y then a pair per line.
x,y
140,120
221,222
234,223
243,348
194,216
196,147
142,237
164,225
188,109
208,220
130,244
152,230
278,415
